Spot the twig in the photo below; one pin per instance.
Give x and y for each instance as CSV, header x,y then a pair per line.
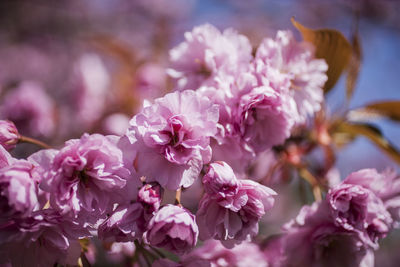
x,y
158,252
25,139
178,196
85,261
306,175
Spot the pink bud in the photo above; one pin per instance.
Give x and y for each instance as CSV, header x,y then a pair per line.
x,y
9,135
150,196
173,228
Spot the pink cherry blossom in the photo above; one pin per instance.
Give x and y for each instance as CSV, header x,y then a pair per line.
x,y
221,182
125,224
86,177
264,118
313,237
174,135
229,144
18,190
295,60
358,209
45,238
385,185
253,118
206,52
173,228
235,217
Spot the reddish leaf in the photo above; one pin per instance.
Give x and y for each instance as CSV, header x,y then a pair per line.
x,y
330,45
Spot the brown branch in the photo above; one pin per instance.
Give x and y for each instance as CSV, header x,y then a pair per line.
x,y
25,139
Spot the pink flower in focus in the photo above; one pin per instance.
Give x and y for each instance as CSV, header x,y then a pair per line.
x,y
206,52
174,135
9,135
233,216
220,180
18,190
173,228
125,224
253,118
221,184
264,118
229,144
295,60
86,177
31,117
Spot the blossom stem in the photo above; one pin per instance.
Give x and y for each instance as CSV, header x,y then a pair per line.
x,y
267,178
306,175
85,261
178,196
146,255
158,252
146,259
25,139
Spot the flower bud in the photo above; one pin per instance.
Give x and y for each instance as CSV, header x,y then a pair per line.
x,y
150,196
220,179
9,135
173,228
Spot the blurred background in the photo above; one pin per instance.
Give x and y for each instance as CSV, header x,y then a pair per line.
x,y
86,66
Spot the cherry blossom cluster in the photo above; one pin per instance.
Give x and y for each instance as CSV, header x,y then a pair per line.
x,y
230,104
345,227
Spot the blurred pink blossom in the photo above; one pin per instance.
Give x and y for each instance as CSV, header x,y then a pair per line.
x,y
30,108
46,238
90,90
213,254
116,124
